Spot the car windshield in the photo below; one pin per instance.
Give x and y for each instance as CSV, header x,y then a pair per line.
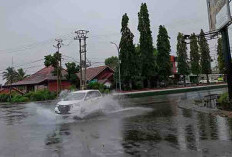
x,y
74,96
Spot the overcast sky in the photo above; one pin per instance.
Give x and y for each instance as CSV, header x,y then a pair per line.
x,y
28,27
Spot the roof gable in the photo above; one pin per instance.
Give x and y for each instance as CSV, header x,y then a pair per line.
x,y
40,76
91,73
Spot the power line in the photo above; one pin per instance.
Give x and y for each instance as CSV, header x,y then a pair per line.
x,y
28,63
30,67
33,45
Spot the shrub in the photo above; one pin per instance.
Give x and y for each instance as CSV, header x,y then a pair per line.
x,y
42,95
98,86
19,98
73,88
224,102
138,85
95,85
4,97
106,91
29,95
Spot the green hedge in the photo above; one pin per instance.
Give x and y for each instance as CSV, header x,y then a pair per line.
x,y
19,98
40,95
4,97
224,102
98,86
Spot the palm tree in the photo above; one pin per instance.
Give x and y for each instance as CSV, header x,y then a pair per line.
x,y
21,74
10,75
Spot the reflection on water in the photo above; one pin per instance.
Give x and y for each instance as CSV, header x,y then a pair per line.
x,y
13,114
33,130
183,129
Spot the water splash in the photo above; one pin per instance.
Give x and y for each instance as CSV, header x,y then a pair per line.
x,y
109,106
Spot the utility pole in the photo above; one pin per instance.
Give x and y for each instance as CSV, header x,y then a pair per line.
x,y
119,67
59,66
82,36
227,55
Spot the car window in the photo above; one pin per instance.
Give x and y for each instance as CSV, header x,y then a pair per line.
x,y
97,94
74,96
89,95
92,94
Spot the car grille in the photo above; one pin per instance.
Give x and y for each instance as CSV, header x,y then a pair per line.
x,y
64,109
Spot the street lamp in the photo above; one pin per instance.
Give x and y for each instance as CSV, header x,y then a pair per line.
x,y
119,69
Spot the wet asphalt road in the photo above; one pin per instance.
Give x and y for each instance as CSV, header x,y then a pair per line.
x,y
148,126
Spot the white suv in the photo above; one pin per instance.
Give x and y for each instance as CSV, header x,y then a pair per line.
x,y
80,103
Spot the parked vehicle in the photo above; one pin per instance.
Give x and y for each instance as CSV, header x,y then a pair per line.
x,y
203,81
182,82
163,84
80,103
210,81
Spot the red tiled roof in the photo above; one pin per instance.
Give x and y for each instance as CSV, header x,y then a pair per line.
x,y
105,78
40,76
91,73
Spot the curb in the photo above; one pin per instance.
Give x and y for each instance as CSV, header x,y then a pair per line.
x,y
169,91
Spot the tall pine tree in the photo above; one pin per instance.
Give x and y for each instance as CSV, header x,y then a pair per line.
x,y
205,55
148,67
183,68
163,55
128,56
194,56
221,59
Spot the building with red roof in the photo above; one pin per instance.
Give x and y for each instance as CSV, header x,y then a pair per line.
x,y
42,79
101,74
174,64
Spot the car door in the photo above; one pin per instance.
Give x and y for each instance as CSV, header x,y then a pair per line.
x,y
91,104
95,100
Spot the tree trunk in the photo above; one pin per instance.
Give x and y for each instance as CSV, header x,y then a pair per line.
x,y
197,79
149,83
184,81
145,83
130,85
207,76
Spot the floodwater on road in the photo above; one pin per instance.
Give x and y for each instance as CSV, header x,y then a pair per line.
x,y
147,126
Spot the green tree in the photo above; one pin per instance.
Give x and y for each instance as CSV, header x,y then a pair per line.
x,y
112,62
221,59
129,66
148,66
54,61
183,68
205,55
10,75
21,74
163,55
194,55
72,70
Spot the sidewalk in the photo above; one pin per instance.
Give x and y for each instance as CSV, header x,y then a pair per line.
x,y
152,92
